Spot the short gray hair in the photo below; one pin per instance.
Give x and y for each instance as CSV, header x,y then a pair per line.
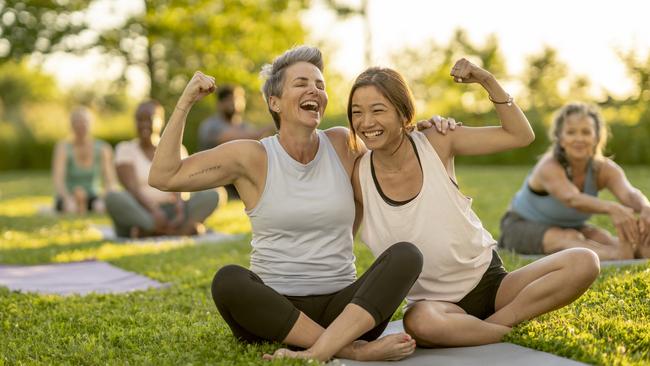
x,y
273,74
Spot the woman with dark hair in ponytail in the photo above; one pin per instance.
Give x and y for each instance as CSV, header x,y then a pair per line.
x,y
549,212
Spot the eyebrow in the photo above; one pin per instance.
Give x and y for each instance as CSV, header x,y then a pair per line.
x,y
302,78
379,104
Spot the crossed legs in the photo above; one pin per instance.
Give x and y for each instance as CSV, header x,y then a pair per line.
x,y
542,286
255,312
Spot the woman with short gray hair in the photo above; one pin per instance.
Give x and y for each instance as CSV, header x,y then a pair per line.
x,y
301,289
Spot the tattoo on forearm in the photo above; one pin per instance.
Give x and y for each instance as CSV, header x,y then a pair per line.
x,y
206,170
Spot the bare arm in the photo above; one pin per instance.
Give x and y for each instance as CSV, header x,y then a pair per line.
x,y
632,197
340,138
58,171
552,177
358,197
515,130
622,189
108,170
222,165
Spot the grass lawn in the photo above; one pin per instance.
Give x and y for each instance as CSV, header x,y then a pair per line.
x,y
609,325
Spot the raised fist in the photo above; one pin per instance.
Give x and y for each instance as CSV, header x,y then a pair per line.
x,y
466,72
198,87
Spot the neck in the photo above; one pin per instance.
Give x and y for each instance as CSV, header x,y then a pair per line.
x,y
300,143
77,140
393,155
579,166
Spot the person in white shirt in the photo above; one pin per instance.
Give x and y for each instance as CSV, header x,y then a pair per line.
x,y
142,210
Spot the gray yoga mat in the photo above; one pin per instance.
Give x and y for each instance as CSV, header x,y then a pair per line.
x,y
74,278
603,263
503,354
213,237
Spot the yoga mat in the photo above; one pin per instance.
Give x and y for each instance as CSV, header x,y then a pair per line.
x,y
503,354
214,237
603,263
74,278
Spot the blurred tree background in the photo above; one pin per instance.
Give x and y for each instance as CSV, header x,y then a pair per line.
x,y
231,39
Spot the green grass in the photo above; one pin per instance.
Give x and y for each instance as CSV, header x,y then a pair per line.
x,y
609,325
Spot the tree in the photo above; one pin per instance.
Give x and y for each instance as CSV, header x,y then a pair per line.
x,y
40,26
345,11
228,39
427,69
541,78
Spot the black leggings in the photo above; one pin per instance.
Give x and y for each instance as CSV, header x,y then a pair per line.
x,y
255,312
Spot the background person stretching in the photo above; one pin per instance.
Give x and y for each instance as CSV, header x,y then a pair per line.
x,y
550,210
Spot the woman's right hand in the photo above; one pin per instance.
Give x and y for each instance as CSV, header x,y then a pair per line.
x,y
198,87
625,222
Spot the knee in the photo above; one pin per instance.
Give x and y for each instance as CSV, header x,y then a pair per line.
x,y
113,200
427,333
584,264
226,282
406,256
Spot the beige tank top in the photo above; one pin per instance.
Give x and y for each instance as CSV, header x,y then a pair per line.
x,y
457,249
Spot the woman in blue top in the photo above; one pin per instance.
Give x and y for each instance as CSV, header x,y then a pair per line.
x,y
549,212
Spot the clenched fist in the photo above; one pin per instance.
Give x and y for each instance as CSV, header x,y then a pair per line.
x,y
198,87
466,72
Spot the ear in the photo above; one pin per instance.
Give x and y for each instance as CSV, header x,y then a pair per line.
x,y
274,103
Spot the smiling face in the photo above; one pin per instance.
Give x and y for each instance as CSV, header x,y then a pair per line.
x,y
375,119
303,99
578,137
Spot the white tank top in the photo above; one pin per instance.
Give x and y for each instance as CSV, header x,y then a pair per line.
x,y
457,249
302,224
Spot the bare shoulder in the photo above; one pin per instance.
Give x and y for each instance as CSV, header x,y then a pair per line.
x,y
60,145
547,166
339,136
607,170
441,143
241,149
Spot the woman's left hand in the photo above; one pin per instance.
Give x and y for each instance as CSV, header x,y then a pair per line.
x,y
441,124
464,71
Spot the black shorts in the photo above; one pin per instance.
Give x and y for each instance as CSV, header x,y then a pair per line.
x,y
58,205
480,301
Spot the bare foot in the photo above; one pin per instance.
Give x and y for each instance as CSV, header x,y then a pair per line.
x,y
287,353
392,347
